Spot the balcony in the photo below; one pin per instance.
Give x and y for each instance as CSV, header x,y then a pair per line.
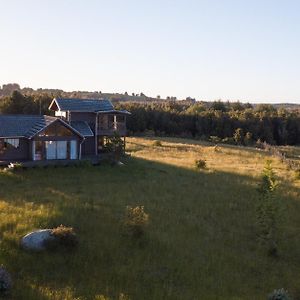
x,y
111,128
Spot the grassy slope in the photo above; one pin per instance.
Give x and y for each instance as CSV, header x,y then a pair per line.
x,y
200,244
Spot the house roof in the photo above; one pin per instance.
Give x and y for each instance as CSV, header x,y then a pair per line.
x,y
82,127
27,125
114,111
81,105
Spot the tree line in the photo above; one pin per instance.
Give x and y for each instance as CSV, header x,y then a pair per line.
x,y
225,122
217,121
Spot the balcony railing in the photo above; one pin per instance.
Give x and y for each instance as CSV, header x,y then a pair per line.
x,y
111,128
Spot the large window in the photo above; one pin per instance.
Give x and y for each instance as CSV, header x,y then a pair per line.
x,y
11,143
56,129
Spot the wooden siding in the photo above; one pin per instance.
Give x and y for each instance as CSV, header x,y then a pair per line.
x,y
88,146
16,154
90,118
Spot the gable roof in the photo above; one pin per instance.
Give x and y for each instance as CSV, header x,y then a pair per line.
x,y
81,105
16,126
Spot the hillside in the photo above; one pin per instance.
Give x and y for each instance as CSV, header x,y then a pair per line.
x,y
201,242
7,90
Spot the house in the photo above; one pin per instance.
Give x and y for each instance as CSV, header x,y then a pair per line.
x,y
79,128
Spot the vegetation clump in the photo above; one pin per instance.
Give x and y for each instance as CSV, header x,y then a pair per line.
x,y
63,236
136,221
268,210
280,294
115,147
200,164
5,282
157,143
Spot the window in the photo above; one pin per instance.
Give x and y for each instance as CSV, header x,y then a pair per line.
x,y
56,129
11,143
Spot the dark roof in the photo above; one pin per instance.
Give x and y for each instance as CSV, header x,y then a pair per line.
x,y
84,105
26,125
23,125
114,111
82,127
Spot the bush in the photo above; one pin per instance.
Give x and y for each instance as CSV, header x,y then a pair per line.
x,y
215,139
5,281
115,146
63,236
268,210
280,294
200,164
157,144
228,141
136,220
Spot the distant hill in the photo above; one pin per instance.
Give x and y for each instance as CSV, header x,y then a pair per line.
x,y
7,89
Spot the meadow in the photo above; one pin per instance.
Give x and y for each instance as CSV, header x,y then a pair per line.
x,y
201,242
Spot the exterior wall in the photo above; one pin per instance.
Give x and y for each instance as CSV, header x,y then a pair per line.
x,y
20,153
90,118
88,146
51,133
55,138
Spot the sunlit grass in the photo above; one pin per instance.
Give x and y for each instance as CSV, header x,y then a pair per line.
x,y
200,243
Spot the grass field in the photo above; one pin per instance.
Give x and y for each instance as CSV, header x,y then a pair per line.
x,y
201,242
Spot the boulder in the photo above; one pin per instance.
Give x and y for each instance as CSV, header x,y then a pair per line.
x,y
36,240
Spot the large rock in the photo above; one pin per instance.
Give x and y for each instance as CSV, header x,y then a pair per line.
x,y
36,240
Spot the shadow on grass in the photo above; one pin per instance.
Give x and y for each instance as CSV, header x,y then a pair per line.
x,y
200,244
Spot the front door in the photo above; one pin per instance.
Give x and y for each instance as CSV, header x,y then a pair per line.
x,y
56,150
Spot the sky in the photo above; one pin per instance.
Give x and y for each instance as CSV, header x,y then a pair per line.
x,y
247,50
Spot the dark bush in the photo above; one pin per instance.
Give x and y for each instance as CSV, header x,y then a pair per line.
x,y
157,144
135,221
200,164
63,236
280,294
5,282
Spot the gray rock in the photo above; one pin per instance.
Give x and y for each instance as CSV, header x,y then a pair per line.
x,y
119,163
36,240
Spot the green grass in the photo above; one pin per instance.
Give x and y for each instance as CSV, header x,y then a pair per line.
x,y
201,242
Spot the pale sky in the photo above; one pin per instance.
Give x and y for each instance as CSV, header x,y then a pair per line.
x,y
244,50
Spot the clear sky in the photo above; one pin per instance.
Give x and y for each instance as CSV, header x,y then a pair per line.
x,y
246,50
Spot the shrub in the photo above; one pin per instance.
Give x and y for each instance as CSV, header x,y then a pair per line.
x,y
280,294
228,141
5,281
268,210
200,164
115,146
63,236
238,136
215,139
136,220
157,144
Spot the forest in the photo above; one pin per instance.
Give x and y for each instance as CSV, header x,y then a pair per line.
x,y
226,122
